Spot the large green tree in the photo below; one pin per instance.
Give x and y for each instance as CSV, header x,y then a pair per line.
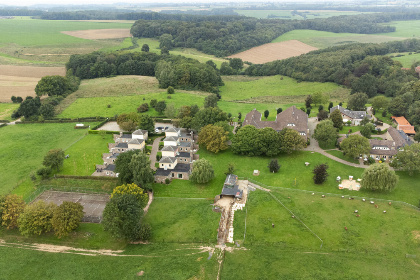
x,y
207,116
211,100
408,159
355,145
122,217
380,102
243,142
326,134
160,107
268,142
52,85
357,101
202,172
122,166
214,138
140,168
379,177
54,159
132,189
66,218
147,123
291,141
236,63
36,218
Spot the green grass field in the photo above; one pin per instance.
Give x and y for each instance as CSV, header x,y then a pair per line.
x,y
404,29
240,94
407,59
24,147
324,39
6,110
84,154
182,220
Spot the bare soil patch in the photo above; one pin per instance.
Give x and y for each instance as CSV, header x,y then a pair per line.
x,y
274,51
21,80
94,34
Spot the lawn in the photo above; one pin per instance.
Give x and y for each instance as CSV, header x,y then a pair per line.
x,y
6,110
85,154
182,220
324,39
346,129
339,154
293,174
387,119
24,147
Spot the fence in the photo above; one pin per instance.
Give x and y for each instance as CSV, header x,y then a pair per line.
x,y
44,188
330,194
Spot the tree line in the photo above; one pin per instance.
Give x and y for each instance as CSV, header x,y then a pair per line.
x,y
175,71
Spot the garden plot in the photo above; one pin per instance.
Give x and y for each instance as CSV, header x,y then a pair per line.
x,y
93,204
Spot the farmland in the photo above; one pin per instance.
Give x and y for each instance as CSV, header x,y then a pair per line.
x,y
274,51
287,14
240,94
324,39
24,147
21,80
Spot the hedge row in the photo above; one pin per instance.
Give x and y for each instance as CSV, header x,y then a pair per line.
x,y
4,121
106,132
86,177
3,124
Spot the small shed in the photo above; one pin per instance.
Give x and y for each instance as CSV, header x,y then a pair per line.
x,y
231,188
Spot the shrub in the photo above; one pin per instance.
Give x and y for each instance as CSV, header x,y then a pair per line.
x,y
143,108
153,103
132,189
145,232
170,90
274,166
320,173
44,172
167,181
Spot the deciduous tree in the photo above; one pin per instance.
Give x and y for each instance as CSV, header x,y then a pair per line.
x,y
36,218
236,63
66,218
170,111
355,145
291,141
140,168
147,123
213,138
366,130
133,189
322,115
202,172
52,85
211,101
122,166
54,159
145,48
12,206
379,177
326,134
408,159
357,101
380,102
122,216
160,106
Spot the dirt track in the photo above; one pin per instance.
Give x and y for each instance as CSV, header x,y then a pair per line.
x,y
274,51
94,34
21,80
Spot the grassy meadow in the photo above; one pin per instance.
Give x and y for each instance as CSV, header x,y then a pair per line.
x,y
24,147
239,94
324,39
6,110
287,14
407,59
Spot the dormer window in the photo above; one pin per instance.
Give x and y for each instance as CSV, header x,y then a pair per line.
x,y
290,124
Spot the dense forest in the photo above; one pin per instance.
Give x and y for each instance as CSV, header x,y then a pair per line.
x,y
175,71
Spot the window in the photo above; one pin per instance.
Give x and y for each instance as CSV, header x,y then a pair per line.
x,y
173,175
107,173
290,124
169,165
161,164
181,149
179,176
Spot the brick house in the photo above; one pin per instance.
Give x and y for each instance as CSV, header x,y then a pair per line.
x,y
292,118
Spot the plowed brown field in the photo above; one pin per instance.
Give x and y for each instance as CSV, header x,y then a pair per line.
x,y
94,34
274,51
21,80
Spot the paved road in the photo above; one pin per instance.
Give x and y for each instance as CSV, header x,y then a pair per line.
x,y
153,153
314,147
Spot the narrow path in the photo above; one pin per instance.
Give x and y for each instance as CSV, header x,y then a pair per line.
x,y
145,209
13,122
153,153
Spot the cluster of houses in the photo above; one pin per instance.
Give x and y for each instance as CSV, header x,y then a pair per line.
x,y
177,155
292,118
354,117
123,143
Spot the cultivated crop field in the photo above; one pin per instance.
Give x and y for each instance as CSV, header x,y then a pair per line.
x,y
324,39
21,80
287,14
95,34
274,51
